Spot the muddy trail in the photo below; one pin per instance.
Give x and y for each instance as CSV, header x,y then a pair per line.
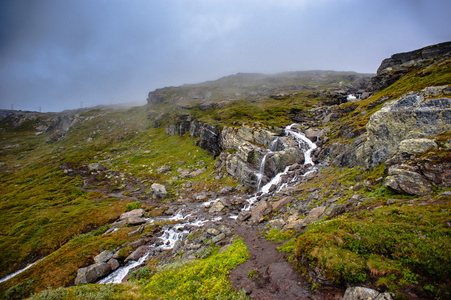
x,y
267,275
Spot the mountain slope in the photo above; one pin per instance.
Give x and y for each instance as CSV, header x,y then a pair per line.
x,y
370,208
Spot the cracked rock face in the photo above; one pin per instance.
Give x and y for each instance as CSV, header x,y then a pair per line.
x,y
410,117
406,181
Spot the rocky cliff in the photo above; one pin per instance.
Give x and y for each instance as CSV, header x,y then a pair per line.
x,y
398,65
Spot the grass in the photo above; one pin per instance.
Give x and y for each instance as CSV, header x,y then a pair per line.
x,y
196,279
407,244
60,267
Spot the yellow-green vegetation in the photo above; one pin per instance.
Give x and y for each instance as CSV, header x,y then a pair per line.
x,y
195,279
277,235
267,112
395,245
49,196
198,279
91,292
60,267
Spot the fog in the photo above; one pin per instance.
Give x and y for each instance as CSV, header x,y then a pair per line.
x,y
62,54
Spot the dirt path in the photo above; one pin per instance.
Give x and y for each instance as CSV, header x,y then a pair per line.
x,y
272,276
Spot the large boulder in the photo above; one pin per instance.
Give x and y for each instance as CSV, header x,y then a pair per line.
x,y
139,212
410,117
93,272
363,293
404,179
158,191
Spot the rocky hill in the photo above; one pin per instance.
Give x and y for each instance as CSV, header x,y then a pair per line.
x,y
301,185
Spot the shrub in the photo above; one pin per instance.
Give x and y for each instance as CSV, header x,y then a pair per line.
x,y
20,291
133,205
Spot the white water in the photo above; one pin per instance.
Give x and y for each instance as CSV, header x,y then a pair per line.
x,y
177,232
305,144
171,234
18,272
300,137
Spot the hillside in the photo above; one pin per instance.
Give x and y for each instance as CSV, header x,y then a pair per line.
x,y
303,184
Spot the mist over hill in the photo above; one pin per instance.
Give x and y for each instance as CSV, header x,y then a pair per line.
x,y
312,184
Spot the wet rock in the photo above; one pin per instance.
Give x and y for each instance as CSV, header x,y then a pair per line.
x,y
104,256
226,190
362,293
201,196
96,167
403,180
140,242
243,216
138,253
158,191
113,264
216,207
93,272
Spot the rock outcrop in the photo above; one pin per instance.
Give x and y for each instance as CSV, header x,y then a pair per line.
x,y
398,65
404,122
363,293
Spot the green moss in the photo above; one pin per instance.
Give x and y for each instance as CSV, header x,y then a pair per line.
x,y
277,235
198,279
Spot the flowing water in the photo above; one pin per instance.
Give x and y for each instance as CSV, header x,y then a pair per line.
x,y
192,215
18,272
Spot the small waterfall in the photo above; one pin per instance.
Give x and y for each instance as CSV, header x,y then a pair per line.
x,y
20,271
171,234
261,172
301,138
288,176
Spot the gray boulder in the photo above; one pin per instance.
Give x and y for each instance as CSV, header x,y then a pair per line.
x,y
93,272
104,256
405,180
96,167
158,191
139,212
409,117
362,293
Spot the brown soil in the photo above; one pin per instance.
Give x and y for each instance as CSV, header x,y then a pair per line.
x,y
272,276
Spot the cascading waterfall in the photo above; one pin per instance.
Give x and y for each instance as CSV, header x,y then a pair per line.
x,y
305,144
171,234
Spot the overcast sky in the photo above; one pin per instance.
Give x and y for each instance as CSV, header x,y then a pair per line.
x,y
54,54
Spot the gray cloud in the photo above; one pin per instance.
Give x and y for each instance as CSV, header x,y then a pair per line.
x,y
55,54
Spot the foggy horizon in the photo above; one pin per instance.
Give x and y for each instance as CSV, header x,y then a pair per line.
x,y
59,54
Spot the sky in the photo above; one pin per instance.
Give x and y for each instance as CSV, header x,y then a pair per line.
x,y
64,54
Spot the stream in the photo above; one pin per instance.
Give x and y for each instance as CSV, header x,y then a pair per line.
x,y
192,215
